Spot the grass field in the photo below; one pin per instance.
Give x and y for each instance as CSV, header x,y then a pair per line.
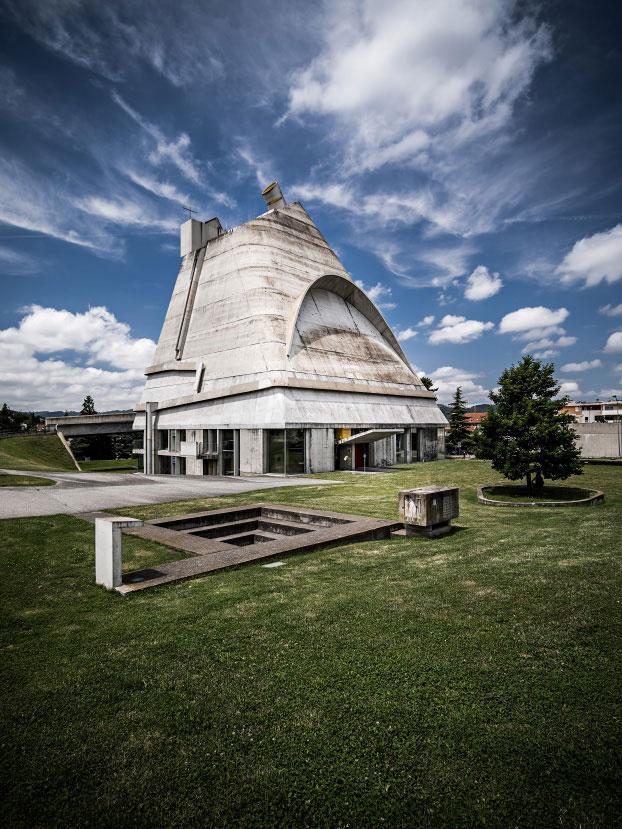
x,y
121,465
25,480
463,681
36,453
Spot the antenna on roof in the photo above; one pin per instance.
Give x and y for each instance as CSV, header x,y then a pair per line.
x,y
190,210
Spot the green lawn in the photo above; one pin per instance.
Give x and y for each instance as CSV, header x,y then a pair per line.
x,y
462,681
36,453
25,480
120,465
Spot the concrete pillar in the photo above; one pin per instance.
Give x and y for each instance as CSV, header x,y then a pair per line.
x,y
148,442
108,558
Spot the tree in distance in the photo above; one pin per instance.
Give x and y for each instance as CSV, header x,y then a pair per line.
x,y
428,383
459,434
526,435
88,406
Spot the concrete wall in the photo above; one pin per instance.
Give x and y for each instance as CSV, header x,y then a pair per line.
x,y
382,452
320,450
599,440
252,452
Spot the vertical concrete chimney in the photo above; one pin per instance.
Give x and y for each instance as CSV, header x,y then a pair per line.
x,y
273,196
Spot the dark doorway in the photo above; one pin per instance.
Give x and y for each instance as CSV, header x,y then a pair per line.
x,y
361,455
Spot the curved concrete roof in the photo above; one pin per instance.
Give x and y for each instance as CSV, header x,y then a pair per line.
x,y
269,303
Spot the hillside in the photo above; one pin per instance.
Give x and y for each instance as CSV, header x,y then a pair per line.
x,y
35,453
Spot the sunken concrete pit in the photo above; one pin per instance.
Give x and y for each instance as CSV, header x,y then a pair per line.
x,y
216,539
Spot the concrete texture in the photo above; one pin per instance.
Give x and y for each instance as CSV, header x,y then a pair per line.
x,y
77,493
266,330
98,424
217,539
599,440
108,558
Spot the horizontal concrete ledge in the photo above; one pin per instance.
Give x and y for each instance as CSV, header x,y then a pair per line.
x,y
293,383
597,498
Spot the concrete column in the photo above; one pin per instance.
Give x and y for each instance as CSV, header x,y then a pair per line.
x,y
236,451
407,446
149,448
108,558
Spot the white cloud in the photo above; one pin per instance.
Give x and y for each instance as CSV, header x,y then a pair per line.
x,y
447,379
455,329
470,67
614,343
533,323
159,188
376,292
545,355
16,263
586,365
426,321
34,377
125,212
406,334
569,388
610,310
562,342
593,259
481,285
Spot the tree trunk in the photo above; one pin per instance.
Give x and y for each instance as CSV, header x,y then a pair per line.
x,y
529,482
539,481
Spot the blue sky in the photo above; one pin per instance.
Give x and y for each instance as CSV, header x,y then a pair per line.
x,y
462,157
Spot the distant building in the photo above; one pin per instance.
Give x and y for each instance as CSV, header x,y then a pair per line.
x,y
475,419
588,411
271,360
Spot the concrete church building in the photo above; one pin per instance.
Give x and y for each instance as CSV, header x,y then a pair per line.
x,y
271,360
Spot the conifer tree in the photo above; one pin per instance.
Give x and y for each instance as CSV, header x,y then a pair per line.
x,y
428,383
459,434
527,435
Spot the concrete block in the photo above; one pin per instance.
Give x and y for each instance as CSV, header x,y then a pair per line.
x,y
190,236
427,510
108,556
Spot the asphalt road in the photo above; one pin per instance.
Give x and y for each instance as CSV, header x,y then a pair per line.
x,y
77,492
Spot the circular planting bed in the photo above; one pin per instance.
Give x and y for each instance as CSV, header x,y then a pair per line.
x,y
506,495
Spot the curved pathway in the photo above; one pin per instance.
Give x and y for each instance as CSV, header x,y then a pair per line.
x,y
77,492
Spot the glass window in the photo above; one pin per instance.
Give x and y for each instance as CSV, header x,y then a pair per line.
x,y
228,452
295,451
276,451
400,443
286,451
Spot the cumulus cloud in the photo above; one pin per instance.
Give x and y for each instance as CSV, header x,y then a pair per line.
x,y
533,323
482,285
561,342
610,310
586,365
426,321
545,355
614,343
103,360
594,259
569,388
455,329
406,334
447,379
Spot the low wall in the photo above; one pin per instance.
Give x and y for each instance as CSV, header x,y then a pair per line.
x,y
599,440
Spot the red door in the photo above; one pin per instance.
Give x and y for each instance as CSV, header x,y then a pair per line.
x,y
358,455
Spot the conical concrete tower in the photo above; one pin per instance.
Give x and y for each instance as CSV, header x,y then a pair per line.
x,y
271,359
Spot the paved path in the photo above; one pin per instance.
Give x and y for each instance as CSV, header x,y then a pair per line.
x,y
78,492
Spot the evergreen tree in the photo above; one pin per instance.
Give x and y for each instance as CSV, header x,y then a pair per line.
x,y
428,383
88,406
459,434
526,435
6,417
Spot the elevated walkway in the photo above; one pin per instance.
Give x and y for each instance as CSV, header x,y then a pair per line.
x,y
74,426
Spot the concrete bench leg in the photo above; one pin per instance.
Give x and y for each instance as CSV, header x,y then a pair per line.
x,y
108,557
